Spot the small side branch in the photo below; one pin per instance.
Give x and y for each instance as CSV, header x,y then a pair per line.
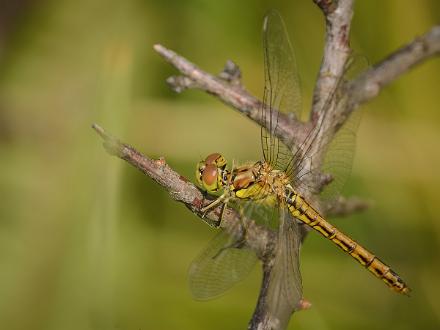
x,y
346,206
370,83
228,88
258,237
234,95
327,6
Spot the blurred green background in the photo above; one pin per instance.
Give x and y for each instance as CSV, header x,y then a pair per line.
x,y
87,242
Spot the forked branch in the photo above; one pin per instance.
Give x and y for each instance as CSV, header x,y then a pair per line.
x,y
232,93
227,87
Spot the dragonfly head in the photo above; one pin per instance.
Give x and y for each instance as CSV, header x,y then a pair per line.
x,y
211,173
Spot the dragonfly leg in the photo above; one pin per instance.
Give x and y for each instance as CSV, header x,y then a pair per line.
x,y
218,223
222,212
214,203
223,199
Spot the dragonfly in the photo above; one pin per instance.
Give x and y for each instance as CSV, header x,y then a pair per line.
x,y
279,182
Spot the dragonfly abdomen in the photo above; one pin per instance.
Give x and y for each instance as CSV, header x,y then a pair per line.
x,y
303,211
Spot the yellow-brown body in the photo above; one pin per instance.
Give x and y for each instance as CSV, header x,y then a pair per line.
x,y
260,181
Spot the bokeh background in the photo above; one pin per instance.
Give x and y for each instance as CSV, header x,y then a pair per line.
x,y
87,242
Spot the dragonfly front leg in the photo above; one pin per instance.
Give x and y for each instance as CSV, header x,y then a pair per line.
x,y
213,204
223,199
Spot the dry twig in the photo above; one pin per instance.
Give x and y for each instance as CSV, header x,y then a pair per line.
x,y
258,237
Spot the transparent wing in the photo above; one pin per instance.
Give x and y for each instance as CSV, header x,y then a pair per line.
x,y
286,284
281,88
339,152
226,260
220,266
338,159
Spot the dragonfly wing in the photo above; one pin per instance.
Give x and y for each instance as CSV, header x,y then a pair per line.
x,y
338,152
281,87
222,264
336,164
339,156
286,283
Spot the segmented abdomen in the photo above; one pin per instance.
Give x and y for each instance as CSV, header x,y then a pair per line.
x,y
301,210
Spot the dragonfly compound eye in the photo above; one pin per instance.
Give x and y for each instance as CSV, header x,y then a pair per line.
x,y
210,178
216,159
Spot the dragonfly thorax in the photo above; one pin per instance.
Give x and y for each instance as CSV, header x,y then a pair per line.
x,y
257,181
